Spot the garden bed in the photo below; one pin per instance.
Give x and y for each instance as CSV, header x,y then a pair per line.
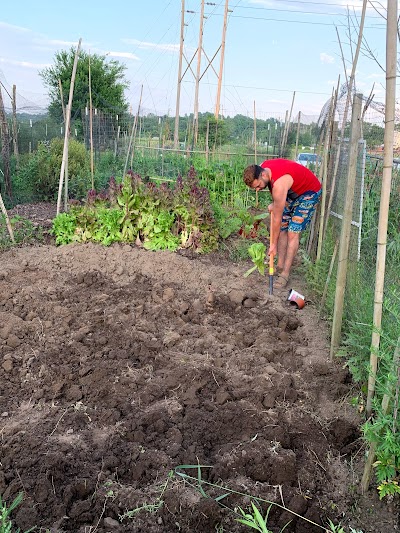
x,y
120,365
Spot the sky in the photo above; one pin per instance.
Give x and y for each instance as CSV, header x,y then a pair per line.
x,y
280,55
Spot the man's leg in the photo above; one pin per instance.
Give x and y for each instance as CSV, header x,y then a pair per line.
x,y
293,241
282,249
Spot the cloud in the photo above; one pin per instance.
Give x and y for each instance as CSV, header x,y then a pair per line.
x,y
124,55
25,64
326,58
12,27
375,75
174,48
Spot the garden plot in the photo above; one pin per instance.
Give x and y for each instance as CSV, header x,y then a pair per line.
x,y
120,365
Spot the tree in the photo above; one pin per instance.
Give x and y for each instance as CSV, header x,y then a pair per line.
x,y
107,83
217,129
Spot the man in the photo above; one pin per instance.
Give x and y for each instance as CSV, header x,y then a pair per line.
x,y
295,193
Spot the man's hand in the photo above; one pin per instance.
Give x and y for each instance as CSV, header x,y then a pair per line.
x,y
272,249
270,207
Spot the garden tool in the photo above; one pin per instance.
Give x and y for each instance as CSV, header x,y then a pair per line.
x,y
271,261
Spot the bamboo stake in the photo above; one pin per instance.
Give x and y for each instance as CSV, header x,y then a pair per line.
x,y
297,137
135,125
287,126
346,226
5,146
283,134
8,223
255,132
207,134
91,125
131,138
61,98
14,124
67,123
385,407
391,63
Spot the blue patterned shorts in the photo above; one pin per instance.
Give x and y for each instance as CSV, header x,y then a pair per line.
x,y
298,213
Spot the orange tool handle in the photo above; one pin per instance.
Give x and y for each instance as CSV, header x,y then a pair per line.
x,y
271,260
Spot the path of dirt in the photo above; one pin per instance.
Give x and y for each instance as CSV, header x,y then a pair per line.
x,y
119,364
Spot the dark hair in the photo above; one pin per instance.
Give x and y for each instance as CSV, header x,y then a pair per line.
x,y
257,171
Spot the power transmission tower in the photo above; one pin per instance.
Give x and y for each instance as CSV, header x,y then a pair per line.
x,y
198,75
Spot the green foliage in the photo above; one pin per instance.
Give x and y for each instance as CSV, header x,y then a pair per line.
x,y
255,520
24,231
38,176
64,226
107,82
217,130
257,253
383,429
5,515
161,219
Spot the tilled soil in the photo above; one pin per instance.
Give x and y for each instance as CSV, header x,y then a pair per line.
x,y
120,365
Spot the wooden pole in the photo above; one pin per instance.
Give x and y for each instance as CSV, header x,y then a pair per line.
x,y
8,223
67,123
196,96
391,61
346,225
91,125
178,87
14,123
222,57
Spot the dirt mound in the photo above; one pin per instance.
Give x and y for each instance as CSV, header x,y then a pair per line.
x,y
118,365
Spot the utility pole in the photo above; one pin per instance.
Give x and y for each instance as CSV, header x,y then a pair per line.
x,y
221,63
178,89
196,96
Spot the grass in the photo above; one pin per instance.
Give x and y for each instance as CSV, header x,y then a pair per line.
x,y
6,525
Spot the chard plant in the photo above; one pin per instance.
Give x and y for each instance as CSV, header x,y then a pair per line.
x,y
257,252
161,218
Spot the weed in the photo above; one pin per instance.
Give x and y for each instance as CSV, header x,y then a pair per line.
x,y
24,232
5,513
149,507
255,520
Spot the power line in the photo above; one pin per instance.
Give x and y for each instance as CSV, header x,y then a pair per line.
x,y
267,89
303,12
379,27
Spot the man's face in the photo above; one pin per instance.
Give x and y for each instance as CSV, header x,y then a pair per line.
x,y
259,184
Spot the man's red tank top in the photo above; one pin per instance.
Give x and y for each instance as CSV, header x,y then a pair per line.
x,y
303,179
